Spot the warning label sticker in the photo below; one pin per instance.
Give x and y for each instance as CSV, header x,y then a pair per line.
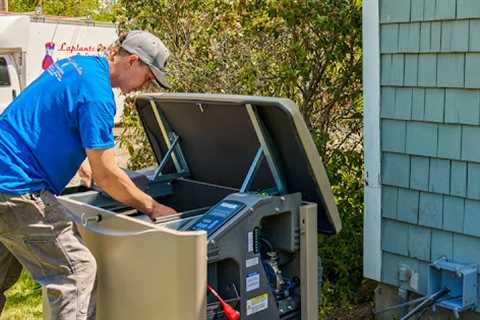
x,y
253,281
257,304
251,262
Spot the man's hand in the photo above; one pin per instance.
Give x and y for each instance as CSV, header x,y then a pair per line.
x,y
114,181
159,210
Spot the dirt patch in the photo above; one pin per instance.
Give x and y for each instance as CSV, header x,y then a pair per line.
x,y
358,312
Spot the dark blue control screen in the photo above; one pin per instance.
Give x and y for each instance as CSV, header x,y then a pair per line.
x,y
217,216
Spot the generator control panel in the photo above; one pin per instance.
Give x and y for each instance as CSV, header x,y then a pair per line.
x,y
217,216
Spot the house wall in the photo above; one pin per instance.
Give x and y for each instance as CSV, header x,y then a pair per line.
x,y
429,135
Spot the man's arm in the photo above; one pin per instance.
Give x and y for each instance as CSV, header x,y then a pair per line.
x,y
85,173
114,181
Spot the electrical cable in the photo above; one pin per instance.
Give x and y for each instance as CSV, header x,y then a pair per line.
x,y
268,243
401,305
434,302
408,303
229,312
422,314
426,303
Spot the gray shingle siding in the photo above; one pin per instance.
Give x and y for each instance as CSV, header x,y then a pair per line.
x,y
430,134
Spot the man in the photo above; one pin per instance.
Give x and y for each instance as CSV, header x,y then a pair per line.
x,y
65,115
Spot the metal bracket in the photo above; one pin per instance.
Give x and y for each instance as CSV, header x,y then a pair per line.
x,y
174,152
247,183
267,150
169,153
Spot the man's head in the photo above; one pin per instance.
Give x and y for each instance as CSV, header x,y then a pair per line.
x,y
140,59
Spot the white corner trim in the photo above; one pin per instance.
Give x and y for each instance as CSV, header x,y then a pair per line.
x,y
372,253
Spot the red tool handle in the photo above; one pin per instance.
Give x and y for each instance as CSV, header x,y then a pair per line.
x,y
231,313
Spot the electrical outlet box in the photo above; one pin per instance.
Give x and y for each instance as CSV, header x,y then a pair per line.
x,y
460,278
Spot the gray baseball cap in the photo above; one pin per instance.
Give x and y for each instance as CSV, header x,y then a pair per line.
x,y
151,51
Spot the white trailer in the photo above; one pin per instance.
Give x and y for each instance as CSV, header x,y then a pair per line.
x,y
30,43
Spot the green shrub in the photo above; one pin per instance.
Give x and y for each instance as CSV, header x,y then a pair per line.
x,y
308,51
97,9
341,254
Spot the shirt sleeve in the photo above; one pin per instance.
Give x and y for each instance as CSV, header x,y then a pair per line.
x,y
96,122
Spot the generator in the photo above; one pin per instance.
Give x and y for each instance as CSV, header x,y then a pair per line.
x,y
251,193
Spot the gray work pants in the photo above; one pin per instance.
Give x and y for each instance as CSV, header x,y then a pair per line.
x,y
36,232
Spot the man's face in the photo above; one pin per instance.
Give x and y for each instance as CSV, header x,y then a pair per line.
x,y
133,75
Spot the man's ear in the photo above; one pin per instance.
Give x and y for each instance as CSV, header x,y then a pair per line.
x,y
132,59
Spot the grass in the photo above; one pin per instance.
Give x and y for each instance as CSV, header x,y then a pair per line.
x,y
24,300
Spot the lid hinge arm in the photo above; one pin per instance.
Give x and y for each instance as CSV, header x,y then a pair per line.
x,y
174,152
158,172
165,132
247,183
268,150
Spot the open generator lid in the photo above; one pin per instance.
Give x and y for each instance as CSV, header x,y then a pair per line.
x,y
220,137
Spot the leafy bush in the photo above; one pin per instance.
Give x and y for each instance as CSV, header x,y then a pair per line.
x,y
308,51
97,9
341,254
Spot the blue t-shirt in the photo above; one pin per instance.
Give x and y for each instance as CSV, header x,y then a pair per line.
x,y
44,132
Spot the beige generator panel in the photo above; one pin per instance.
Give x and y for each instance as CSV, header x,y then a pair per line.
x,y
252,194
